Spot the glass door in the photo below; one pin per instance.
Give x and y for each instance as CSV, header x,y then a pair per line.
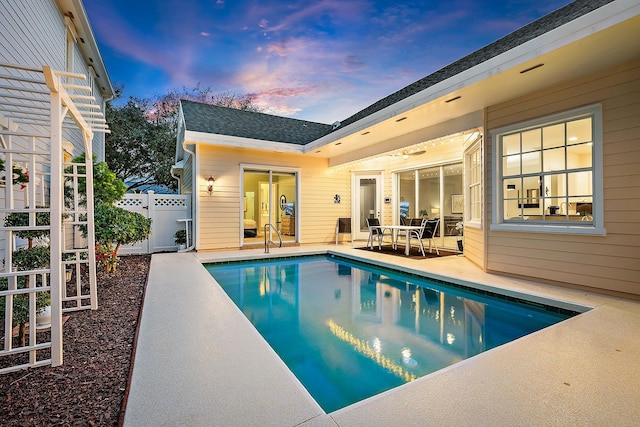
x,y
435,193
269,198
367,191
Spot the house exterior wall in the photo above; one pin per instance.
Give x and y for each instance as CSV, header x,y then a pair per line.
x,y
186,183
219,215
33,34
610,262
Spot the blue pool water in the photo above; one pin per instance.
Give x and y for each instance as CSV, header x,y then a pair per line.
x,y
349,330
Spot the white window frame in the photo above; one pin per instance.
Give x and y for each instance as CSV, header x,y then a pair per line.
x,y
596,227
469,184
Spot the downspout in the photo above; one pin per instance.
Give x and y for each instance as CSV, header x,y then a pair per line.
x,y
193,196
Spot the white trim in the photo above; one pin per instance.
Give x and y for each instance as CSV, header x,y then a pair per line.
x,y
272,169
562,227
476,146
193,137
600,19
550,228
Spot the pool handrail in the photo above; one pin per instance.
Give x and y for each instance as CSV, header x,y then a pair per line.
x,y
266,243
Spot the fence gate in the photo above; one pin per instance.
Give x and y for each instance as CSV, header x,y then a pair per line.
x,y
164,210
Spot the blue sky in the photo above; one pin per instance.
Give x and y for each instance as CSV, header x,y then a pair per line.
x,y
315,60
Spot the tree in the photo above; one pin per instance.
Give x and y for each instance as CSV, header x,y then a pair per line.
x,y
107,187
142,141
139,146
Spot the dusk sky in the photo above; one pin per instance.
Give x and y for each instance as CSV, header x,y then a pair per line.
x,y
314,60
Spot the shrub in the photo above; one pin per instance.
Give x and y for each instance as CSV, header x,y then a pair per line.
x,y
115,227
180,237
21,219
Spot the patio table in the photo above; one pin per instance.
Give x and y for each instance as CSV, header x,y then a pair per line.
x,y
395,232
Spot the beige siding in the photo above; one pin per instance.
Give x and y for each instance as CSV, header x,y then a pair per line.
x,y
610,262
219,214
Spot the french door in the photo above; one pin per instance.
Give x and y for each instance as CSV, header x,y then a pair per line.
x,y
367,191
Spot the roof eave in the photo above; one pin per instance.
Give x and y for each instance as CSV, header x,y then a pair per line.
x,y
204,138
89,48
592,22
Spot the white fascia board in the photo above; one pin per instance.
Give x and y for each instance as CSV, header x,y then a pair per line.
x,y
590,23
90,47
203,138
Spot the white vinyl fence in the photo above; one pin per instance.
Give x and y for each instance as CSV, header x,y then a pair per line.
x,y
165,211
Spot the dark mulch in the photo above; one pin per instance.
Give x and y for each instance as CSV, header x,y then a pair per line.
x,y
414,253
89,388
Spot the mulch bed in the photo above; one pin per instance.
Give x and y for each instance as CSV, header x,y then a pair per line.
x,y
90,387
414,253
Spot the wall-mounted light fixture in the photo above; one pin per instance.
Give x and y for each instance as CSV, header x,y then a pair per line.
x,y
210,183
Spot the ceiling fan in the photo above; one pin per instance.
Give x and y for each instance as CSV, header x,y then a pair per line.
x,y
406,154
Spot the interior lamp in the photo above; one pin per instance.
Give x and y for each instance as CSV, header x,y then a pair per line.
x,y
210,183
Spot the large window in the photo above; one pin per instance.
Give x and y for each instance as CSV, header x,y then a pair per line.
x,y
434,192
547,173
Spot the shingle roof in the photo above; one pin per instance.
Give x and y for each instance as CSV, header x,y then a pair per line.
x,y
228,121
248,124
530,31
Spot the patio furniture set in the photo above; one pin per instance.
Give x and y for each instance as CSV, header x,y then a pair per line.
x,y
416,229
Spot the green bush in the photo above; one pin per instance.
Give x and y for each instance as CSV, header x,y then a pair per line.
x,y
115,227
21,219
180,237
24,259
107,188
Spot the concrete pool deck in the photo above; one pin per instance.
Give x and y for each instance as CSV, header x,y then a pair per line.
x,y
199,362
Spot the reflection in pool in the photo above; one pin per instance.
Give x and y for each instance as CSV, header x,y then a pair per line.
x,y
349,330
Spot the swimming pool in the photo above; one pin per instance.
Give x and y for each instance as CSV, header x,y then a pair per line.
x,y
348,330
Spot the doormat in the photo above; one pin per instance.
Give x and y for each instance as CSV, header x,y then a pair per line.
x,y
414,253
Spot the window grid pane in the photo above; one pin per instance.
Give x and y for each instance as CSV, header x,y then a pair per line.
x,y
551,175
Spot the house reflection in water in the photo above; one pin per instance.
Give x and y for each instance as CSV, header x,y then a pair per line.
x,y
349,331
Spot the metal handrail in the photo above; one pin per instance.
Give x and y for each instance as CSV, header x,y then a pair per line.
x,y
266,243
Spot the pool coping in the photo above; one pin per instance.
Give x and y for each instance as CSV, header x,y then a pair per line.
x,y
199,385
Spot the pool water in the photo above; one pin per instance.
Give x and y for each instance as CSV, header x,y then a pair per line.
x,y
348,330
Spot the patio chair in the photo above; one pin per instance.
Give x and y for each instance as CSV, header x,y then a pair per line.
x,y
376,232
404,220
344,227
428,230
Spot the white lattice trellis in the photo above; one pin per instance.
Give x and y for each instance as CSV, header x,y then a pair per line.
x,y
36,105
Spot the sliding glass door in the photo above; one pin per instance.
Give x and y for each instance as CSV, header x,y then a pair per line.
x,y
433,192
269,203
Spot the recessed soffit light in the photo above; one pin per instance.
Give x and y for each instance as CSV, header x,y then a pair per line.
x,y
526,70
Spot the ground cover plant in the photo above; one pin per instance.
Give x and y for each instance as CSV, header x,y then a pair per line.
x,y
90,387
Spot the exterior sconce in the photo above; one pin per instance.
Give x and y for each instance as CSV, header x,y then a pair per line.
x,y
210,182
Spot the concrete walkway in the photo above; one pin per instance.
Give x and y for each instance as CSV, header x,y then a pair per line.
x,y
199,362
